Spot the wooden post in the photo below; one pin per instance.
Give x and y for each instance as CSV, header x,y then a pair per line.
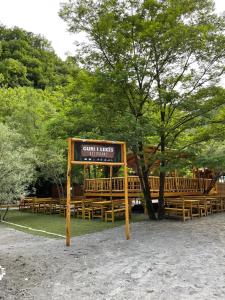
x,y
110,181
127,225
68,198
84,177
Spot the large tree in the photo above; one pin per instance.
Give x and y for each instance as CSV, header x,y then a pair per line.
x,y
31,113
17,165
164,59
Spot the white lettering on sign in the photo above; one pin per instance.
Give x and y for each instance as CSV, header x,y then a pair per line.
x,y
97,151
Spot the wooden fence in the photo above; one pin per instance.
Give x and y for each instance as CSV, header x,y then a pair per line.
x,y
172,185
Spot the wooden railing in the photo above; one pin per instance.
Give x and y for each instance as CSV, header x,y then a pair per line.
x,y
172,184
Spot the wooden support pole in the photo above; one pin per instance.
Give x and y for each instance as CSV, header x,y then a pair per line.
x,y
110,180
127,225
68,198
84,175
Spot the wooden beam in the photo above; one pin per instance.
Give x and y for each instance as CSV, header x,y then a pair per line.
x,y
100,163
110,180
97,141
68,197
127,225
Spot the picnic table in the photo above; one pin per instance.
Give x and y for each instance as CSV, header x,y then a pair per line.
x,y
74,204
187,208
79,206
111,208
26,203
199,205
96,208
213,203
100,207
46,205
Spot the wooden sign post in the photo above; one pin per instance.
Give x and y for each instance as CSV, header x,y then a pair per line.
x,y
96,152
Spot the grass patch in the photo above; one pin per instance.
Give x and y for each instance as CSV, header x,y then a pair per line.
x,y
57,224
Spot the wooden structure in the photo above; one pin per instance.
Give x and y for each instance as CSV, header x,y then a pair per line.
x,y
220,189
80,207
194,206
97,152
185,207
114,187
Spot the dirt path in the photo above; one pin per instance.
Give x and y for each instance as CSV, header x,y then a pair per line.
x,y
163,260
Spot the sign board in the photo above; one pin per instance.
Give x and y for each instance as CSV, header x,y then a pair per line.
x,y
94,152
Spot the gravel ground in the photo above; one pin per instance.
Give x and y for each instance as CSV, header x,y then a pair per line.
x,y
163,260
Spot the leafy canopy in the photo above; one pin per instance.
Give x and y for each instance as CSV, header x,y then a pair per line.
x,y
157,65
27,59
17,165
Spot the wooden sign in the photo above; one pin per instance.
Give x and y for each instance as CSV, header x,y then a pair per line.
x,y
92,152
96,152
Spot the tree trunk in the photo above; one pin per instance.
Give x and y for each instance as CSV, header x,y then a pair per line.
x,y
161,180
57,183
212,183
147,195
6,211
106,171
143,177
161,193
89,172
2,216
95,171
58,190
62,188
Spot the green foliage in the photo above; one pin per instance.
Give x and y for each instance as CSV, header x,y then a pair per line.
x,y
157,66
17,165
28,111
161,63
14,73
150,75
212,156
52,164
27,59
75,115
40,99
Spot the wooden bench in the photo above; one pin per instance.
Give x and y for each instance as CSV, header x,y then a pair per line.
x,y
217,205
85,209
177,211
223,203
191,204
205,206
41,204
110,214
194,206
98,212
26,203
84,212
51,207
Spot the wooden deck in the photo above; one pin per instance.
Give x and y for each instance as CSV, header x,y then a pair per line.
x,y
174,186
